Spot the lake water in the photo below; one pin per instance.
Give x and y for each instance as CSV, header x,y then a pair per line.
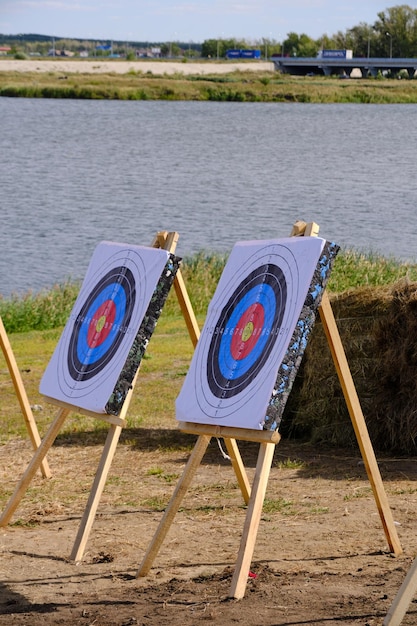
x,y
74,173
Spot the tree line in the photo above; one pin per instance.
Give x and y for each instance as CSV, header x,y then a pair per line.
x,y
394,33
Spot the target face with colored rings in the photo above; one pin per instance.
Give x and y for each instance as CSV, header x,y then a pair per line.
x,y
103,324
248,328
246,331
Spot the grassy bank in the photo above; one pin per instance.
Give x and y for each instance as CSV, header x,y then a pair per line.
x,y
34,323
50,309
233,87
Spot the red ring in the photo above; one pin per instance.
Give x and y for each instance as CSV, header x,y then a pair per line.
x,y
251,324
101,324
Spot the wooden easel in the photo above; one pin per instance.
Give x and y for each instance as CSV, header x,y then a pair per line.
x,y
167,241
268,441
22,396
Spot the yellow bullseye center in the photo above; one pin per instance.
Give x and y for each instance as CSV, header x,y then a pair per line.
x,y
247,331
100,323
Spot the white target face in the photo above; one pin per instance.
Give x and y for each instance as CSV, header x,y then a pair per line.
x,y
103,324
249,325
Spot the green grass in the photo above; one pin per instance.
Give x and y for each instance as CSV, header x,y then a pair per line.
x,y
236,86
280,505
354,269
160,473
290,464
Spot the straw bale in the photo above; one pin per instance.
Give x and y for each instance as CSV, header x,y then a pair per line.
x,y
378,329
395,410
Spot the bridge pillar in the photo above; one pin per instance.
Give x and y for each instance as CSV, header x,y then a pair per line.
x,y
411,72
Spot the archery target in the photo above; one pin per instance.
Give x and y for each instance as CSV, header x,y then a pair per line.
x,y
98,330
103,324
249,325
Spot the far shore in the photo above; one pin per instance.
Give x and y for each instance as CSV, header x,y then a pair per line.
x,y
99,66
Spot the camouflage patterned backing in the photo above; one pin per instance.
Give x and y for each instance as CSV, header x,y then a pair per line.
x,y
292,359
140,343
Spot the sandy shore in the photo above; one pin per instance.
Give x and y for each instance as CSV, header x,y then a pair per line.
x,y
122,67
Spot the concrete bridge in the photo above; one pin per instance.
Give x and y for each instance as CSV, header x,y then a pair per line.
x,y
303,66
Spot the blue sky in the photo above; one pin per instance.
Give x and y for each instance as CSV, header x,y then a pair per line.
x,y
185,20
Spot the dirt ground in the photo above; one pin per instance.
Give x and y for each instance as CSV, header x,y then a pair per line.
x,y
321,555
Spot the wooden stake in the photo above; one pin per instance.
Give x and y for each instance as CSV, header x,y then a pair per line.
x,y
95,494
237,464
253,517
359,424
168,241
100,479
33,466
21,396
403,598
186,308
174,504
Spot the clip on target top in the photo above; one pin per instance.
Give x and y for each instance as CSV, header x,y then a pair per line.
x,y
250,325
87,363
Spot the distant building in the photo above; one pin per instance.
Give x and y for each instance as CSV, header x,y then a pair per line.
x,y
149,53
60,53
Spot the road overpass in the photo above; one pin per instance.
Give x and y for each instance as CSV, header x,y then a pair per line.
x,y
303,66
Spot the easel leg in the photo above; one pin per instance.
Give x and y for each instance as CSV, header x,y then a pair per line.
x,y
359,424
237,464
253,518
21,396
169,242
95,493
186,308
403,598
174,504
33,466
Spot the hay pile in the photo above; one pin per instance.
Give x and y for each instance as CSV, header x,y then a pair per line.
x,y
378,329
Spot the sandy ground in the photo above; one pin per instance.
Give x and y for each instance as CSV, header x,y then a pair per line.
x,y
321,555
122,67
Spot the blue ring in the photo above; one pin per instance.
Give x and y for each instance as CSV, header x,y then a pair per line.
x,y
229,367
226,376
85,362
85,354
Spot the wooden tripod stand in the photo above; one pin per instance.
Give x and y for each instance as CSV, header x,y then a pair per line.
x,y
268,441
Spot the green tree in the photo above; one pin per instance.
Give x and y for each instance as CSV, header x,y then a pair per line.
x,y
396,30
300,45
213,48
362,40
210,47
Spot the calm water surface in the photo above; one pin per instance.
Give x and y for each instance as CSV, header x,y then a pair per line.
x,y
74,173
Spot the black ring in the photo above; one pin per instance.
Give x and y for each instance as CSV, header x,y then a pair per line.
x,y
121,277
